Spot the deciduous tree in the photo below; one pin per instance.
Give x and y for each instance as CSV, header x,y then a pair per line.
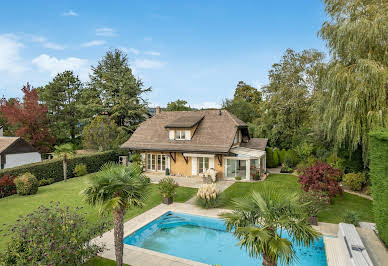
x,y
178,105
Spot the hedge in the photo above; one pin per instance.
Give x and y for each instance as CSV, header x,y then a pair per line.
x,y
378,155
54,168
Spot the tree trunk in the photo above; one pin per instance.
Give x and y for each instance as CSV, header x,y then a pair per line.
x,y
64,168
267,261
118,219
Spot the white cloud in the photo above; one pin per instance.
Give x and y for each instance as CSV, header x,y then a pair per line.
x,y
46,43
53,65
207,105
133,51
148,38
93,43
107,32
10,60
257,84
148,64
70,13
152,53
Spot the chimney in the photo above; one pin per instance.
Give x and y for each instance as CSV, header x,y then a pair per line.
x,y
157,110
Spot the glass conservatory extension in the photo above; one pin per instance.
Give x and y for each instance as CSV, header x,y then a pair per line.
x,y
245,164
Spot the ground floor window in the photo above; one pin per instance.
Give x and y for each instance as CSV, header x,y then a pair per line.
x,y
203,164
236,168
151,161
162,161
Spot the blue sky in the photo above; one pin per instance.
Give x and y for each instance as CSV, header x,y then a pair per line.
x,y
192,50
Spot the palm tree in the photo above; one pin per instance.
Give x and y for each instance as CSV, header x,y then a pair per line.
x,y
259,219
116,188
64,151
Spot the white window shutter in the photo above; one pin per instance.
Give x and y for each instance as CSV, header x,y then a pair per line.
x,y
187,135
211,163
171,135
193,165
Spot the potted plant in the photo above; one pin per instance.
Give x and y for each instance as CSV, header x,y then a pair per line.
x,y
167,187
313,202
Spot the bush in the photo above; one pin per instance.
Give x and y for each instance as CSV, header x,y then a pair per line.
x,y
80,170
7,186
54,168
288,162
304,150
306,163
269,158
276,160
45,182
314,201
378,158
208,196
282,155
26,184
352,217
321,177
286,169
52,236
354,181
238,178
167,187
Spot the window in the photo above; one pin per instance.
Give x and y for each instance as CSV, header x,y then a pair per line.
x,y
162,161
203,164
180,134
151,161
236,168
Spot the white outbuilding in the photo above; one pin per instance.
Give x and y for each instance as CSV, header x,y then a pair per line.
x,y
15,151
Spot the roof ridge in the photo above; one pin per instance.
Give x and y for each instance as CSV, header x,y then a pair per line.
x,y
233,118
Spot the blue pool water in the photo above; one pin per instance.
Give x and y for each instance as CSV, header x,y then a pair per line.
x,y
206,240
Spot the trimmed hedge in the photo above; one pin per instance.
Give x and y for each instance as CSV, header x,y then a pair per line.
x,y
378,155
54,168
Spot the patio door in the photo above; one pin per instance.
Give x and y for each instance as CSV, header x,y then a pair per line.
x,y
162,162
151,162
203,164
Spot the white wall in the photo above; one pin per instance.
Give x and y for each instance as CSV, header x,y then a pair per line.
x,y
12,160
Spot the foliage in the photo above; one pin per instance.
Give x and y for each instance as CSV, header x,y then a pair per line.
x,y
120,93
167,187
103,134
378,175
258,219
286,169
29,118
321,177
80,170
61,97
136,159
357,76
64,151
285,115
26,184
335,161
238,178
304,164
282,155
244,110
178,105
54,168
7,186
248,93
354,180
314,201
52,235
304,150
352,217
45,182
208,196
292,157
276,159
288,162
272,157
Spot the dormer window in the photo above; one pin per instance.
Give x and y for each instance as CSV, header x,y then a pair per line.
x,y
180,134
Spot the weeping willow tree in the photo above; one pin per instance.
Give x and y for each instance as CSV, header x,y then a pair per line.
x,y
357,76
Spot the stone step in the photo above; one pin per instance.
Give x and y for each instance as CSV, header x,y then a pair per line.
x,y
334,252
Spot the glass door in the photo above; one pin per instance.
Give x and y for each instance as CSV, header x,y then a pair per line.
x,y
162,161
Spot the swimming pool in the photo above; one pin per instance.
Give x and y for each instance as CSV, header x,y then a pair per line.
x,y
206,240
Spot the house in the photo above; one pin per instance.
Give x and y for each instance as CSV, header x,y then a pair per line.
x,y
15,151
189,143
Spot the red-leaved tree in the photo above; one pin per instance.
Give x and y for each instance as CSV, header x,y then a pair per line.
x,y
30,119
321,177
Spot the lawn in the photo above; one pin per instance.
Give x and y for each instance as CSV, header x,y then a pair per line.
x,y
68,193
331,214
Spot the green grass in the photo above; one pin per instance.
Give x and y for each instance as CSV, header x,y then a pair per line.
x,y
98,261
333,213
68,193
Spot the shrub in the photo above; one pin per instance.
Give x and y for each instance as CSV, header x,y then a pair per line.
x,y
54,168
238,178
352,217
256,175
288,162
282,155
276,160
269,158
286,169
7,186
306,163
354,180
26,184
136,159
313,201
208,196
291,154
378,158
45,182
80,170
321,177
52,236
167,187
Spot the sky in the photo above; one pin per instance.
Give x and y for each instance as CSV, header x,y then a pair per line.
x,y
191,50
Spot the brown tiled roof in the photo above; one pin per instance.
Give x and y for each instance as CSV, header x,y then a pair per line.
x,y
255,143
5,142
215,132
186,121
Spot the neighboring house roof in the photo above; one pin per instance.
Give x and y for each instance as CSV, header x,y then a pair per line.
x,y
256,143
15,145
214,134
